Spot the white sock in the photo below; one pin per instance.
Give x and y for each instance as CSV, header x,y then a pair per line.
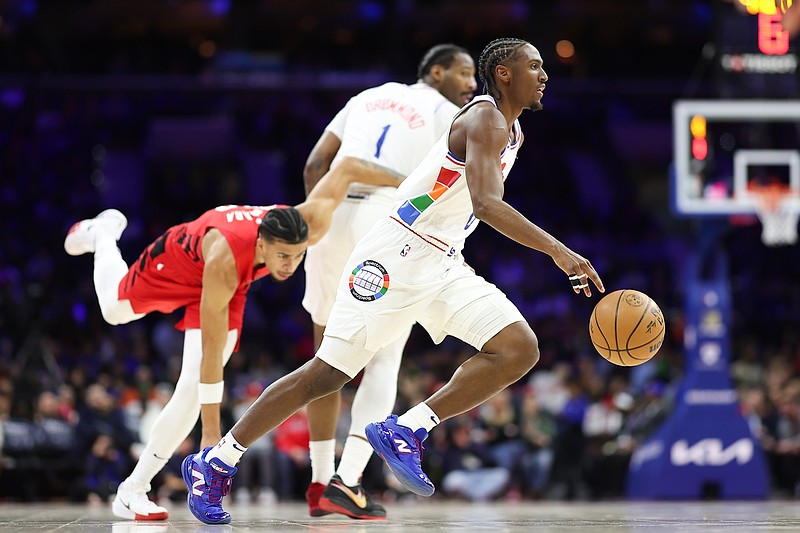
x,y
148,465
229,451
419,416
355,456
109,269
323,457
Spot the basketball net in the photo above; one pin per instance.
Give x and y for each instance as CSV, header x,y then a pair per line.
x,y
774,209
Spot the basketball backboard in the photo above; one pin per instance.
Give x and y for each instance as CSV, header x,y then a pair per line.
x,y
724,149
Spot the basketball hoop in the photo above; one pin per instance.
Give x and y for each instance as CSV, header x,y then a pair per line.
x,y
778,216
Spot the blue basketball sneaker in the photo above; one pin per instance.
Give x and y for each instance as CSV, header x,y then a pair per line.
x,y
401,449
208,482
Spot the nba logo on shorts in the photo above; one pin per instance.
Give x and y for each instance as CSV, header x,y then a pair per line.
x,y
369,281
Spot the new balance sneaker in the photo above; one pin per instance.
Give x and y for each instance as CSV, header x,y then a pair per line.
x,y
313,495
401,449
81,236
208,482
350,501
132,503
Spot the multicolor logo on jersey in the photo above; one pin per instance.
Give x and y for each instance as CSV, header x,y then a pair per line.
x,y
369,281
413,208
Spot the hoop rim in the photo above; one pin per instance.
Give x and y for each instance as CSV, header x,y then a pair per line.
x,y
770,196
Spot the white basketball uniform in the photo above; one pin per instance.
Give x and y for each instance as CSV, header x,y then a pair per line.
x,y
409,268
393,125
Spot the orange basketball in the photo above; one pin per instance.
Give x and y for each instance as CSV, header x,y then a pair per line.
x,y
627,327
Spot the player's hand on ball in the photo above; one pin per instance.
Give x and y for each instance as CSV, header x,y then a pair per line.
x,y
579,270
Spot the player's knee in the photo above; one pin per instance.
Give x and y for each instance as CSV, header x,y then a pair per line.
x,y
322,378
116,312
114,317
523,352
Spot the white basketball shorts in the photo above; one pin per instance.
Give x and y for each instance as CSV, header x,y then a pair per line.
x,y
326,260
394,278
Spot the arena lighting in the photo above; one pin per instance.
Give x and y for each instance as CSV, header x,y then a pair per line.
x,y
699,143
768,7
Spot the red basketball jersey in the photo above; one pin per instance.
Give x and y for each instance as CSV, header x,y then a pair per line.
x,y
169,273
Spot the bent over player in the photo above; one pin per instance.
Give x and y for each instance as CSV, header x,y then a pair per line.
x,y
207,266
409,268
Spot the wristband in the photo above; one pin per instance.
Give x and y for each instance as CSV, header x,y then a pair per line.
x,y
210,392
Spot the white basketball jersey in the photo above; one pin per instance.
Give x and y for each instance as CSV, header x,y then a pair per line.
x,y
393,125
434,200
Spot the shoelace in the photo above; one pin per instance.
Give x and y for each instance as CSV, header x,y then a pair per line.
x,y
420,448
219,487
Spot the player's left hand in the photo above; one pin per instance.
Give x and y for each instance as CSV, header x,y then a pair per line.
x,y
579,270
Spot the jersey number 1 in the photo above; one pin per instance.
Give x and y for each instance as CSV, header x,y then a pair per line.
x,y
380,141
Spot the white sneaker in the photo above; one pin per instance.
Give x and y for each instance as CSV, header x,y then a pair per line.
x,y
131,502
81,236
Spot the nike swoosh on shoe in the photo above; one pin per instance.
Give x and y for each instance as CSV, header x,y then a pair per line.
x,y
358,498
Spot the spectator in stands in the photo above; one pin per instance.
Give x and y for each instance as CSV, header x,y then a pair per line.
x,y
538,432
102,416
569,445
294,464
258,470
500,421
468,467
55,446
604,470
104,469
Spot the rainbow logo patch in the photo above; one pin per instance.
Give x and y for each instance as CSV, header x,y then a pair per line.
x,y
369,281
413,208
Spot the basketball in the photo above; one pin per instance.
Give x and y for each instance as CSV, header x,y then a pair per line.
x,y
627,327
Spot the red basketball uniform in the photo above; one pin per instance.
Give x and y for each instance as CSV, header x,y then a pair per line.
x,y
169,273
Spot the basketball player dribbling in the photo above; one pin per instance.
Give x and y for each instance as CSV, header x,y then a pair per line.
x,y
409,268
394,125
206,266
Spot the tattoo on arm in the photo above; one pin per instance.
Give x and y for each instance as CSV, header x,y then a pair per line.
x,y
313,172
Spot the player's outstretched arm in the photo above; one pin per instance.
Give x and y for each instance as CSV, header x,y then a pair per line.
x,y
220,281
483,133
329,192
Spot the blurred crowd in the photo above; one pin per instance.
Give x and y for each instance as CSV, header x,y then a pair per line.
x,y
77,396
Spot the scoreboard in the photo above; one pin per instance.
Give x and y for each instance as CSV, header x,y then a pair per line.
x,y
756,57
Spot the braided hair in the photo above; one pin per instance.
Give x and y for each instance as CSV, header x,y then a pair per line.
x,y
496,53
285,224
441,54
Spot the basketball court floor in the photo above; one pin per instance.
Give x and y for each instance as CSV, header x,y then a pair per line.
x,y
431,516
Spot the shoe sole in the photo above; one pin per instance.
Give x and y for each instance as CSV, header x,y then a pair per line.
x,y
332,507
407,477
121,511
318,512
73,247
186,472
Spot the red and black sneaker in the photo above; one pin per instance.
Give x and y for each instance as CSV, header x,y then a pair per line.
x,y
312,497
350,501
